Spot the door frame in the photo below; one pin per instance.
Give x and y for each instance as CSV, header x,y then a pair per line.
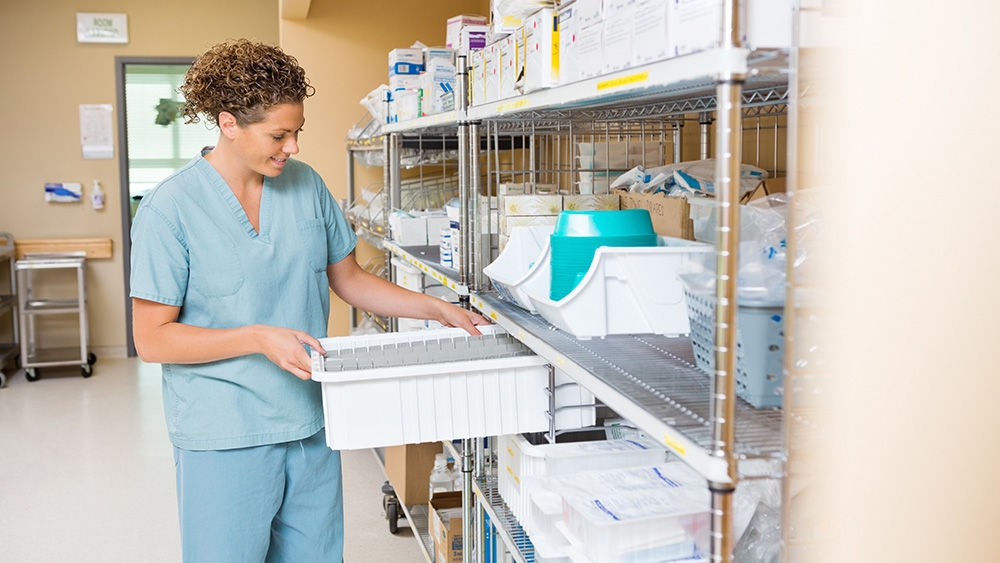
x,y
123,161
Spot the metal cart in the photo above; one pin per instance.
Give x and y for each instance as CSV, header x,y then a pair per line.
x,y
31,306
8,305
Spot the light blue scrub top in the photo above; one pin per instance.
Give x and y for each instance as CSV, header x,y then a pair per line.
x,y
194,247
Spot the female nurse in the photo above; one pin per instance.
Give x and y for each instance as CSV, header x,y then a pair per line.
x,y
233,257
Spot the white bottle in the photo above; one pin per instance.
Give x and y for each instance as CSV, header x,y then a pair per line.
x,y
441,479
97,195
458,480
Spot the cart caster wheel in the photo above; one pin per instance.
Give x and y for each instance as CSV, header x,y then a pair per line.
x,y
86,371
91,359
392,513
30,374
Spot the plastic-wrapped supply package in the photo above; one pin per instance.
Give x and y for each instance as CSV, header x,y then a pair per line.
x,y
509,15
691,177
657,513
761,541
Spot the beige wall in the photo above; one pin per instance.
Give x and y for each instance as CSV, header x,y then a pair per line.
x,y
344,46
46,76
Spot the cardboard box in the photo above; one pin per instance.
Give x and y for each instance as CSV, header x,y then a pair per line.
x,y
764,189
590,50
406,61
590,11
671,216
446,526
651,32
541,37
694,25
493,62
408,469
477,76
569,55
508,66
581,202
455,25
532,204
619,28
527,221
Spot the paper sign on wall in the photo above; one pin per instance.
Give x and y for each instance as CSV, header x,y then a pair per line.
x,y
101,28
95,131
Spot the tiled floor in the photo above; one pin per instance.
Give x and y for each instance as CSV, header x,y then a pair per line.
x,y
86,474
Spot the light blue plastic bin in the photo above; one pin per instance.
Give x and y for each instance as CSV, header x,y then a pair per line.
x,y
760,347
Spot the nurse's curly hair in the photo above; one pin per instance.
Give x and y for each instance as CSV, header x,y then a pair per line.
x,y
243,78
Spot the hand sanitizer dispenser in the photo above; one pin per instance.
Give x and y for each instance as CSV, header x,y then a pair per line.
x,y
97,195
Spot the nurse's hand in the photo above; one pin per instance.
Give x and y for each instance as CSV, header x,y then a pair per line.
x,y
283,346
454,316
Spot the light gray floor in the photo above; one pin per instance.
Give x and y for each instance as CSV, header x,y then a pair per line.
x,y
86,474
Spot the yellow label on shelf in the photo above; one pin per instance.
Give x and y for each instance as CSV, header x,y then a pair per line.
x,y
560,361
623,81
521,335
493,315
512,105
674,445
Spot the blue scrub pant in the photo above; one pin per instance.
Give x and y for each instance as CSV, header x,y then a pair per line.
x,y
275,503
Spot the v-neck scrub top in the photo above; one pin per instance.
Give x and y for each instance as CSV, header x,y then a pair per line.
x,y
194,247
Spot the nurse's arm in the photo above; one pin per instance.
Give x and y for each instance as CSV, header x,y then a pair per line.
x,y
371,293
160,338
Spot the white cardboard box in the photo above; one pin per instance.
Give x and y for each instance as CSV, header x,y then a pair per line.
x,y
477,76
508,67
455,25
406,61
694,25
619,26
590,47
541,44
569,55
651,32
492,62
590,12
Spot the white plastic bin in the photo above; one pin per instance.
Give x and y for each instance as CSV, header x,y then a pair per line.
x,y
658,513
627,290
407,388
523,466
523,264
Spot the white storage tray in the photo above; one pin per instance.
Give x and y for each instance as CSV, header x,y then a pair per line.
x,y
522,466
627,290
658,513
439,384
522,264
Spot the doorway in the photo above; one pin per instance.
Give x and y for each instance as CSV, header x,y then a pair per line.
x,y
153,140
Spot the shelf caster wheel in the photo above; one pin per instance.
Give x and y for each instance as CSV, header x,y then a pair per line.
x,y
391,506
3,379
91,359
392,513
30,374
86,371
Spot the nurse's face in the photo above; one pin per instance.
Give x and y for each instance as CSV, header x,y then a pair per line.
x,y
266,145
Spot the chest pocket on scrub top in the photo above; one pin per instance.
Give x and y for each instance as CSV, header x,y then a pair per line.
x,y
216,270
313,235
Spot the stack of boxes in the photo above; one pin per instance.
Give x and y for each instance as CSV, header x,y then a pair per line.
x,y
405,66
533,45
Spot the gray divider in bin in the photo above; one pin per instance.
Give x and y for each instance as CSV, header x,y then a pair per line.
x,y
421,352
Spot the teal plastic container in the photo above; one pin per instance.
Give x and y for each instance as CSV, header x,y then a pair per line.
x,y
578,235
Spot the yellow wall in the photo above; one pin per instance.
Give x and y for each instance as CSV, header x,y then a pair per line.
x,y
344,47
47,75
